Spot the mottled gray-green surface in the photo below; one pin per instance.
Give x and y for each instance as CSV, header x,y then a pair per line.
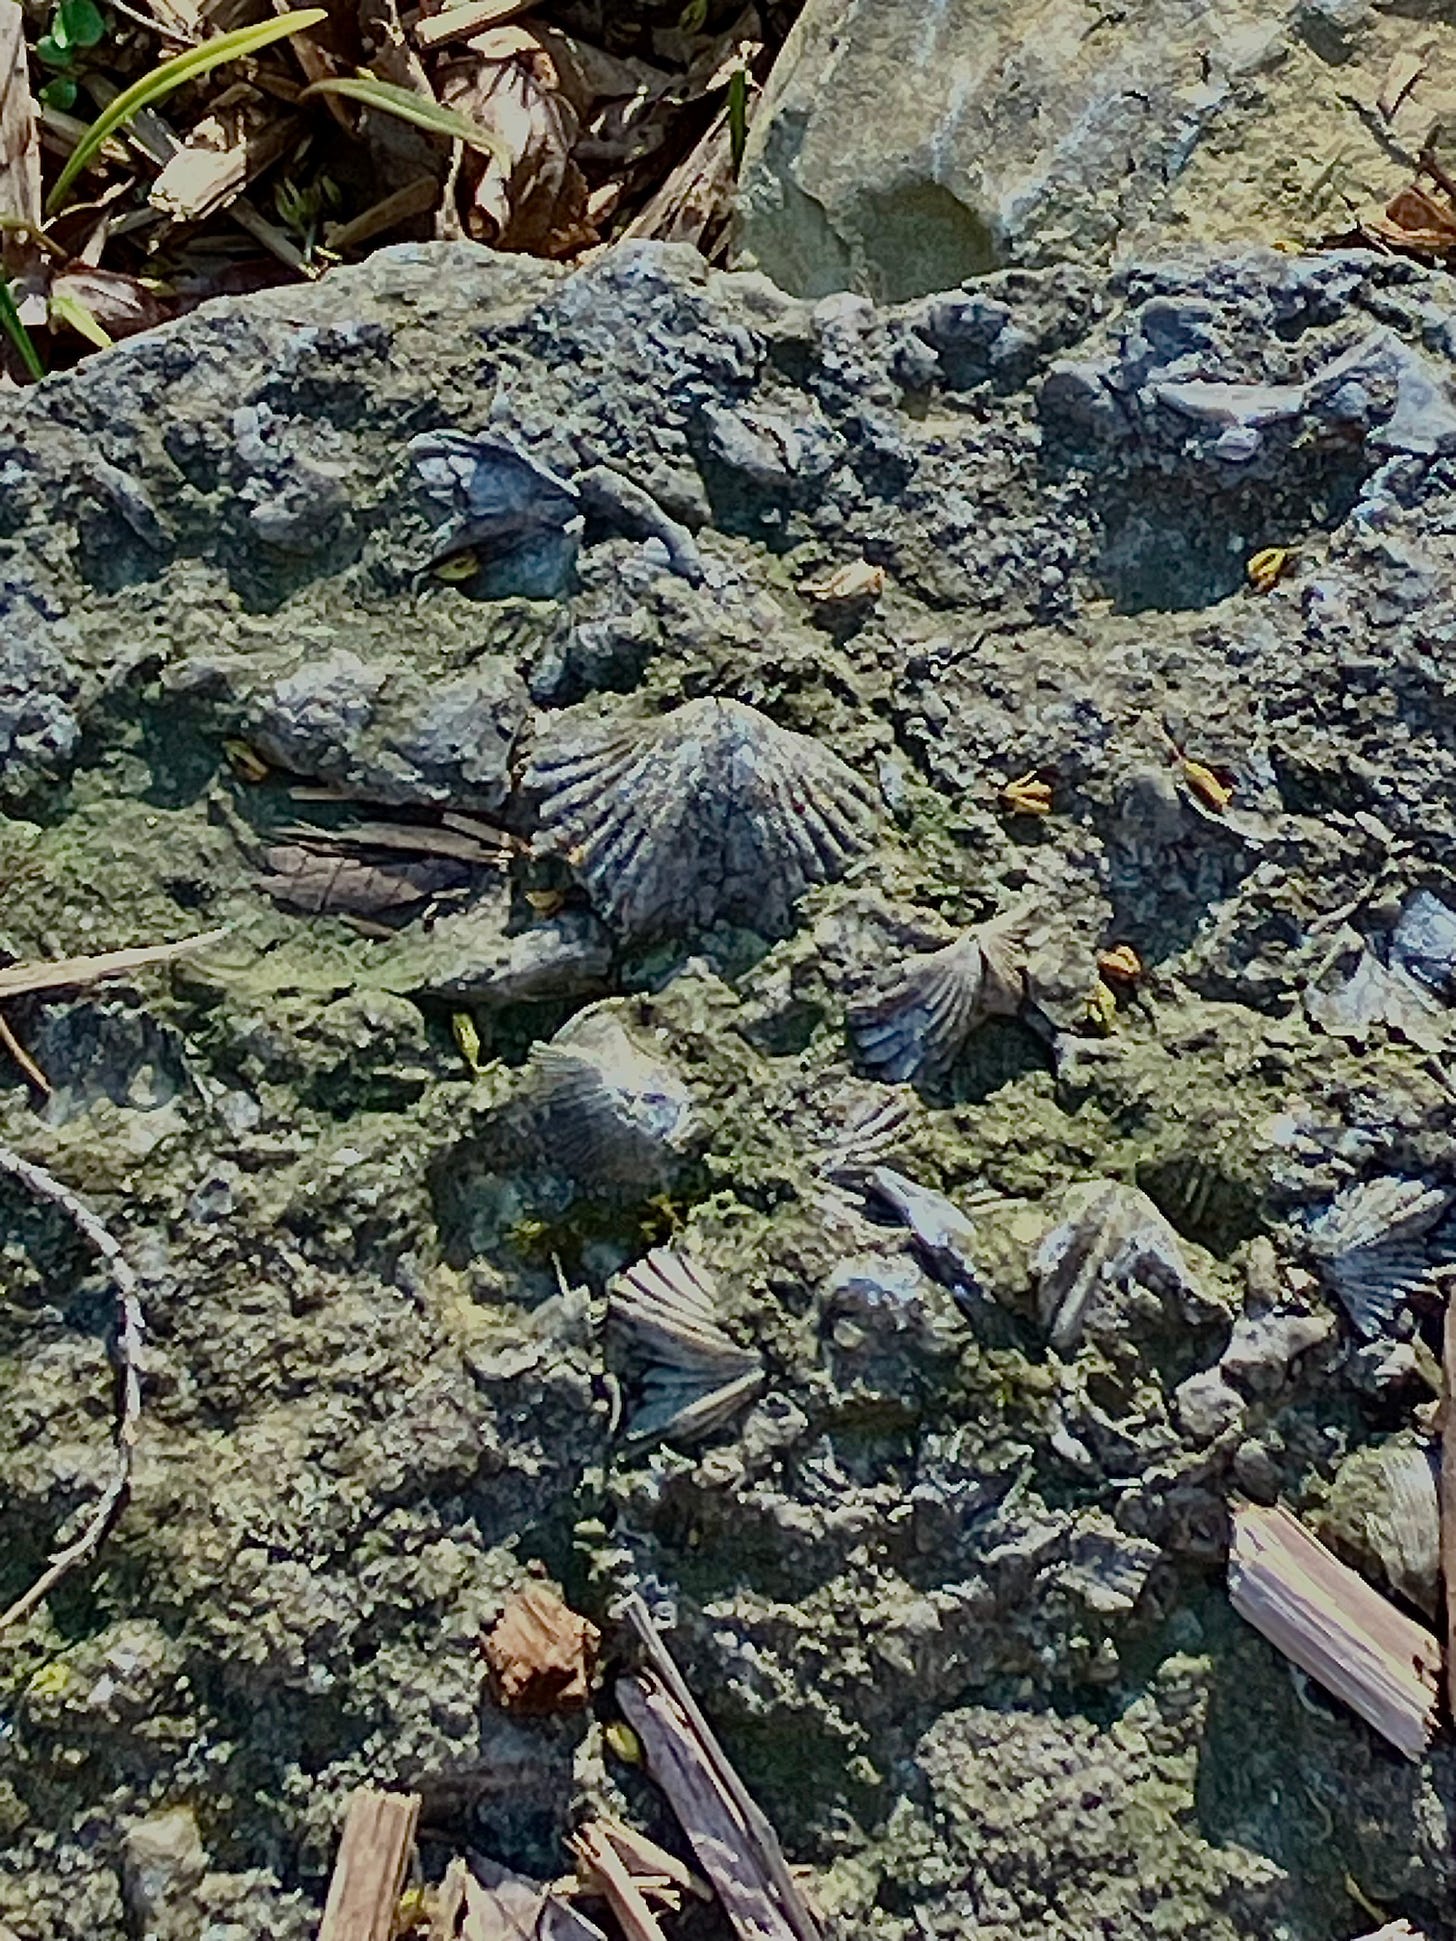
x,y
953,1598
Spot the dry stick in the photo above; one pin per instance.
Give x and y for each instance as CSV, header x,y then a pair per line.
x,y
23,1058
128,1352
64,973
660,1659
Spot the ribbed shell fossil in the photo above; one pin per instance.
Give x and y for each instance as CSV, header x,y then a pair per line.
x,y
1370,1245
917,1025
1384,1511
709,814
1114,1241
605,1108
694,1376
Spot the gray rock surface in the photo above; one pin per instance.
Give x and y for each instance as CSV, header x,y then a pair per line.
x,y
904,144
935,1568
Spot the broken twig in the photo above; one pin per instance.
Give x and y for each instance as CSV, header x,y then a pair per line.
x,y
736,1847
89,1225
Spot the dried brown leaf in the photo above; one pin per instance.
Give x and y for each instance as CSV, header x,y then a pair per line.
x,y
120,303
536,200
299,878
505,1906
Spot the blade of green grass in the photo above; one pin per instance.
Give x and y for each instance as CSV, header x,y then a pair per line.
x,y
70,310
429,115
16,331
170,76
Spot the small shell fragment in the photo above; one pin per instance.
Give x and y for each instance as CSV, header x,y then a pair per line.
x,y
917,1025
1384,1514
1370,1246
855,580
1327,1620
694,1376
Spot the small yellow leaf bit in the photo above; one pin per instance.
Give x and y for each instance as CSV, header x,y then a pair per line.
x,y
1215,794
1101,1009
1268,567
467,1040
1027,795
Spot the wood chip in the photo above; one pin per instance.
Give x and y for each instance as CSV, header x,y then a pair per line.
x,y
1327,1620
68,973
221,156
449,1902
463,23
540,1653
372,1865
736,1847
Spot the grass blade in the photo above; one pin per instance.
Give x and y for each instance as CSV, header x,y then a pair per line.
x,y
68,309
408,106
170,76
16,331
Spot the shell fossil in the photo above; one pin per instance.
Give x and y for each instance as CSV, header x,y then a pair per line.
x,y
604,1107
502,500
1371,1248
1384,1510
694,1376
711,813
917,1025
1113,1240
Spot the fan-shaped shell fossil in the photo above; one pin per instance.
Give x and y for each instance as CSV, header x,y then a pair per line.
x,y
1113,1241
918,1024
694,1376
1384,1513
604,1107
1370,1245
709,814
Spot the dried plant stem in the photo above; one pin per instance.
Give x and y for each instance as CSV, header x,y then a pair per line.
x,y
23,1058
93,1231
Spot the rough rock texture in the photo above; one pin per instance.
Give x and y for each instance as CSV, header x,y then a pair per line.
x,y
952,1597
903,143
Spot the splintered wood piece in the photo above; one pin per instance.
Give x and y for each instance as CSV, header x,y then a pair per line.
x,y
369,1872
465,22
603,1869
505,1906
449,1902
1327,1620
646,1859
540,1653
67,973
1448,1493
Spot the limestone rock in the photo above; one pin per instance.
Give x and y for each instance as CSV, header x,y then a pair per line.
x,y
903,145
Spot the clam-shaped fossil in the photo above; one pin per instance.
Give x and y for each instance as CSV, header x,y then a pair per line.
x,y
709,814
693,1377
1102,1262
1423,943
917,1025
604,1107
1370,1246
1384,1514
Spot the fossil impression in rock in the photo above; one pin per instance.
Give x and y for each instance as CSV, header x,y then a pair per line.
x,y
605,1108
1370,1246
693,1376
709,814
500,499
917,1025
1113,1245
1384,1513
